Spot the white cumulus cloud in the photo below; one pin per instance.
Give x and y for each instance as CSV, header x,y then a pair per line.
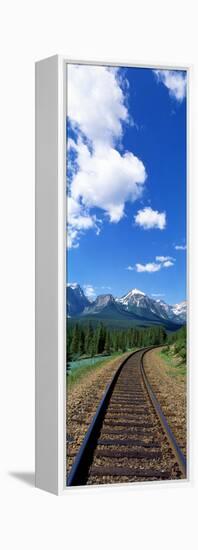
x,y
168,263
147,218
164,258
79,220
100,175
90,292
107,179
96,102
180,247
72,237
151,267
174,81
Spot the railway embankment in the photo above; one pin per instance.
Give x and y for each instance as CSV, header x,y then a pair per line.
x,y
168,379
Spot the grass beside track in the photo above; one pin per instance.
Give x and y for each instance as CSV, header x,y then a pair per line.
x,y
175,366
76,375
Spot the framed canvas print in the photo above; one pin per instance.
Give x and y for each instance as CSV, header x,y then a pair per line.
x,y
111,269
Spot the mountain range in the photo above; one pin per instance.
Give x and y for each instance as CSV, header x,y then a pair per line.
x,y
134,308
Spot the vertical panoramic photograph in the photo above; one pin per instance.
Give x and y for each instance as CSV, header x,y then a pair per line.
x,y
126,271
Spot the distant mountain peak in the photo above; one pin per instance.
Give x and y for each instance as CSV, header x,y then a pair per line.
x,y
73,285
136,291
135,303
100,303
133,292
138,302
105,297
181,304
76,299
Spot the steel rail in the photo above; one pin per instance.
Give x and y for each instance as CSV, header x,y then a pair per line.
x,y
79,471
181,459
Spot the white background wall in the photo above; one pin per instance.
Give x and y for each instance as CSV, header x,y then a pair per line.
x,y
142,31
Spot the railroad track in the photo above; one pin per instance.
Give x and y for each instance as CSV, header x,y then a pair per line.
x,y
129,438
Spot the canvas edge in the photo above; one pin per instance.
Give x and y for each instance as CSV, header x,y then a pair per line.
x,y
49,274
188,67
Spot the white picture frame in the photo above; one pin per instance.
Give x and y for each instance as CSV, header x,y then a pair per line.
x,y
50,307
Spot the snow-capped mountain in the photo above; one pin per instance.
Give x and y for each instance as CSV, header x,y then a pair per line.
x,y
176,313
135,305
137,301
134,296
180,310
164,310
76,300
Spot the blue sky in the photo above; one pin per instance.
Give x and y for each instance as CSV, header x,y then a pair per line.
x,y
126,178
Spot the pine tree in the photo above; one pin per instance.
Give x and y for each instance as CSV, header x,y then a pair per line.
x,y
101,338
94,344
88,339
107,348
81,341
123,341
116,341
75,341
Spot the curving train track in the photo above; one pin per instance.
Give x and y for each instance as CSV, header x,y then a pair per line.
x,y
129,438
